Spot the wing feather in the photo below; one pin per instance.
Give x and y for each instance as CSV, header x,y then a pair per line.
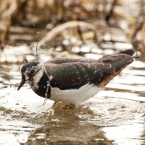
x,y
74,73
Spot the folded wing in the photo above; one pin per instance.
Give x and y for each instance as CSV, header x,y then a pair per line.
x,y
74,73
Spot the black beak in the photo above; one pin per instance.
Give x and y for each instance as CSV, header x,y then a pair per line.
x,y
21,84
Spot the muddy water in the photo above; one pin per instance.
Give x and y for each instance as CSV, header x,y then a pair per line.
x,y
115,116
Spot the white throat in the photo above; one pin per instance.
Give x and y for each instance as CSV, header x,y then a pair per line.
x,y
35,80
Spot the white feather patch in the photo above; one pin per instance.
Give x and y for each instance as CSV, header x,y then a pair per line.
x,y
36,78
75,96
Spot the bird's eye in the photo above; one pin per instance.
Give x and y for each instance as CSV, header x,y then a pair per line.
x,y
32,72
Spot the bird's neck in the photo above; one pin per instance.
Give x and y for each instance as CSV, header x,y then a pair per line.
x,y
44,86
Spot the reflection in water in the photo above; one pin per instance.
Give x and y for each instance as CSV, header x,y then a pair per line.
x,y
68,132
116,113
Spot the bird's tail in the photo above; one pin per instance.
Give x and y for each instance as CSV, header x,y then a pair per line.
x,y
117,62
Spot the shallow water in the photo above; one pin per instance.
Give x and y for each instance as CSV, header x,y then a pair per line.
x,y
116,115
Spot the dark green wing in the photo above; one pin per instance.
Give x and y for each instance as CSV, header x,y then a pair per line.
x,y
74,73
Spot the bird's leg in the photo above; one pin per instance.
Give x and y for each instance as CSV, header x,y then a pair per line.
x,y
80,110
69,106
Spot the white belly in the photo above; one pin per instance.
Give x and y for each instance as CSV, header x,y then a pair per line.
x,y
75,96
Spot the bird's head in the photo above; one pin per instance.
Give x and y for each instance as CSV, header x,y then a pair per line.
x,y
32,73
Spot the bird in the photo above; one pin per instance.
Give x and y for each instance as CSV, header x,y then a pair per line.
x,y
73,80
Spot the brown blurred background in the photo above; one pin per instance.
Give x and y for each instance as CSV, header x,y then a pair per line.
x,y
79,22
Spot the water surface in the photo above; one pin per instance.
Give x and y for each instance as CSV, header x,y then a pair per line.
x,y
116,115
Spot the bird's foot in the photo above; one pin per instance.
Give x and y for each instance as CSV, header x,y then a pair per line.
x,y
81,110
69,106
